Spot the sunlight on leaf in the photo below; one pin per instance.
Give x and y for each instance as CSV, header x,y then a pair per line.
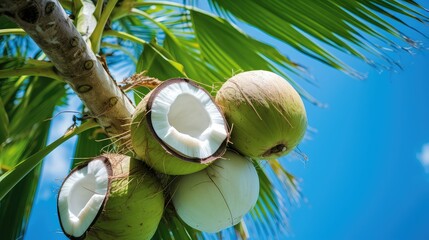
x,y
4,122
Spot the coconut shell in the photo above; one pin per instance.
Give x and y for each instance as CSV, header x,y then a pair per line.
x,y
265,113
219,196
134,203
157,154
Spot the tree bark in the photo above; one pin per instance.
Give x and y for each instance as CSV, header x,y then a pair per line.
x,y
46,22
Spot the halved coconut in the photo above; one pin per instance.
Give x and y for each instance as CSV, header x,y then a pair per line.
x,y
178,129
219,196
110,197
266,114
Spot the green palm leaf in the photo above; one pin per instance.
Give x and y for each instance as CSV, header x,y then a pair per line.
x,y
335,23
212,55
27,135
91,144
230,50
159,63
4,122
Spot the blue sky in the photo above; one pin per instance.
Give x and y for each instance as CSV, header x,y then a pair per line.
x,y
364,178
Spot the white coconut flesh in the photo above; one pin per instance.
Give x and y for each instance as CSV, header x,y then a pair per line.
x,y
81,197
186,118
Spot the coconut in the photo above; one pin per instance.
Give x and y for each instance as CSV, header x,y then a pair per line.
x,y
218,196
266,114
178,129
110,197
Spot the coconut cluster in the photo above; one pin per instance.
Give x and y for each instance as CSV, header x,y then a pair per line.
x,y
178,129
210,145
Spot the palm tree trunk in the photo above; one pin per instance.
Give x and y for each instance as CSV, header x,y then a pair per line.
x,y
46,22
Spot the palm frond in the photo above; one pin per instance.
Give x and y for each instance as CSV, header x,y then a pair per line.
x,y
27,135
349,26
91,144
159,63
4,122
212,55
229,50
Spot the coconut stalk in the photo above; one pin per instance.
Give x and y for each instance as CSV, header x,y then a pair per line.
x,y
110,197
46,22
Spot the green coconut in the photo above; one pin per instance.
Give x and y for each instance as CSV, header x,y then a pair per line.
x,y
178,129
265,113
219,196
110,197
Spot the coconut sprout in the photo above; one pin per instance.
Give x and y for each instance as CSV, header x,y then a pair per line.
x,y
178,129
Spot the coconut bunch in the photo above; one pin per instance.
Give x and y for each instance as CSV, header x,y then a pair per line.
x,y
209,145
178,129
110,197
